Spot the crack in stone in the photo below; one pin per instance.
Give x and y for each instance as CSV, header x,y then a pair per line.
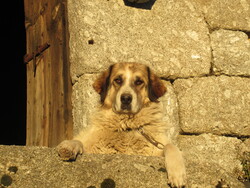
x,y
241,137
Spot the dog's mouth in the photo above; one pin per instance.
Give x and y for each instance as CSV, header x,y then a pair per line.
x,y
125,109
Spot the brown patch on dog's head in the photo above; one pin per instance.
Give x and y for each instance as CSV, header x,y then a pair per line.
x,y
102,83
156,88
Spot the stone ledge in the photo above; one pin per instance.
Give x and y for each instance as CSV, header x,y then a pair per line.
x,y
29,167
41,167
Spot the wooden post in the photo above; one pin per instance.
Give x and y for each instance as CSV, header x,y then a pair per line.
x,y
49,88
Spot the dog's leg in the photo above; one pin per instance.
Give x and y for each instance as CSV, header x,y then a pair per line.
x,y
175,166
69,149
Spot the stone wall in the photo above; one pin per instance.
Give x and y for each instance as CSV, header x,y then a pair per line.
x,y
200,47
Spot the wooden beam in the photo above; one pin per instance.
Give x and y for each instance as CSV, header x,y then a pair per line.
x,y
49,109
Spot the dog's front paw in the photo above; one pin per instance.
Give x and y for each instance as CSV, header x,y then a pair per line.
x,y
69,149
175,166
176,176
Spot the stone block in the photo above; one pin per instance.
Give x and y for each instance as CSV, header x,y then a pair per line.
x,y
217,155
170,111
231,52
218,105
28,167
172,37
86,101
227,14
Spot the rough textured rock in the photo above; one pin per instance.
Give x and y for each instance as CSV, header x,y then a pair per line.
x,y
41,167
213,104
213,153
227,14
170,107
29,167
231,52
86,101
172,37
246,147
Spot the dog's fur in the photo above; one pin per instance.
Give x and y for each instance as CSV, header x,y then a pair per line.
x,y
129,120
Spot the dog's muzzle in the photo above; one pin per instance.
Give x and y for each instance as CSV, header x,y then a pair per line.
x,y
126,100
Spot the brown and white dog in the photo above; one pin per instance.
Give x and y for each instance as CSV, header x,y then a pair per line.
x,y
129,120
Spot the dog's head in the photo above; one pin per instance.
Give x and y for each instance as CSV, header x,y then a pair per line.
x,y
127,87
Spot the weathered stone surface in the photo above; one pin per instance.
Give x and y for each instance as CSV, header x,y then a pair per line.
x,y
86,101
172,37
170,113
217,105
41,167
227,14
231,52
217,155
29,167
247,146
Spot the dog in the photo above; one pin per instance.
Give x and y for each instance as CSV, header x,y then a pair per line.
x,y
129,120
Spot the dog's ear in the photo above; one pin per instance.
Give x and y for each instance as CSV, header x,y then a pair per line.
x,y
156,88
101,84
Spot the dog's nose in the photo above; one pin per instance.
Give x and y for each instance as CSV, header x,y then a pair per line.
x,y
126,98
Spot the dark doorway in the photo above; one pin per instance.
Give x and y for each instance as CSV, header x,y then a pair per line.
x,y
13,75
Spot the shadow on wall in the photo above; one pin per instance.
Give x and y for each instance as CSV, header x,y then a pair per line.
x,y
132,3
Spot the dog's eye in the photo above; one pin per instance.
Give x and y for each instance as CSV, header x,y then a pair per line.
x,y
138,82
118,81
